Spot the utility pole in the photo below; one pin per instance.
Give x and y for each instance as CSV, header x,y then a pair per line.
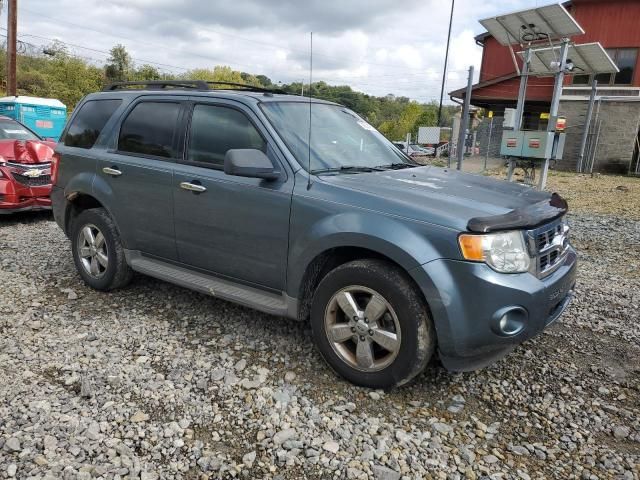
x,y
464,121
446,61
12,25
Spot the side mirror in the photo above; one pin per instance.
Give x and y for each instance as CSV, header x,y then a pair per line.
x,y
248,162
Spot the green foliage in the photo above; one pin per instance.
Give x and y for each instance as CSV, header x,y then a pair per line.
x,y
146,72
221,74
119,64
57,74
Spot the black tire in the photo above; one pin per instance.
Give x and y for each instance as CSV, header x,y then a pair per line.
x,y
417,339
117,273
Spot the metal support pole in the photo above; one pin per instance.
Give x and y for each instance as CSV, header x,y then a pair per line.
x,y
553,112
557,88
12,25
446,61
451,144
587,125
464,121
522,93
486,157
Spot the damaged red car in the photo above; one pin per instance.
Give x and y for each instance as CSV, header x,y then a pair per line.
x,y
25,168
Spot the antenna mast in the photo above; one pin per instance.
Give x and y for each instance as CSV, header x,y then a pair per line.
x,y
310,82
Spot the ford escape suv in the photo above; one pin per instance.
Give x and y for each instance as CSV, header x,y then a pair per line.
x,y
298,207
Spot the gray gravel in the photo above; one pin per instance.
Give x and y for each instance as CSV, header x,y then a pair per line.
x,y
155,381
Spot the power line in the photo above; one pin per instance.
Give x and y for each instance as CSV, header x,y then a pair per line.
x,y
217,32
379,85
99,51
104,52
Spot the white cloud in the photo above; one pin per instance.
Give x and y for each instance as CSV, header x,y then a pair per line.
x,y
377,46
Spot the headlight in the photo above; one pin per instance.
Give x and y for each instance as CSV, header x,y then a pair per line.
x,y
505,252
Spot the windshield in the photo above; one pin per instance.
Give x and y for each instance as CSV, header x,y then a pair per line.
x,y
10,130
340,139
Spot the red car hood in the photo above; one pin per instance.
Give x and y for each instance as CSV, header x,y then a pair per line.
x,y
26,151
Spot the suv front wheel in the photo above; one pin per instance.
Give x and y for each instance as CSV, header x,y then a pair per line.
x,y
98,252
371,324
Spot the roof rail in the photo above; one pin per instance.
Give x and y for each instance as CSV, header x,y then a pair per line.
x,y
158,85
242,86
186,84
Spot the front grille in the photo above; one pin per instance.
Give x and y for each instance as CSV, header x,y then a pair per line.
x,y
32,182
545,238
549,245
21,173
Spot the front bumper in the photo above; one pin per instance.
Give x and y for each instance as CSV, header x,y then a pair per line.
x,y
16,198
467,301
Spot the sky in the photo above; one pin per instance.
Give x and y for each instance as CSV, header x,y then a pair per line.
x,y
375,46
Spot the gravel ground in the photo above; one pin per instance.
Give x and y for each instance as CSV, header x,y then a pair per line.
x,y
155,381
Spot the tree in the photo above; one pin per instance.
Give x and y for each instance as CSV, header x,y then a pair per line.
x,y
264,80
428,118
55,48
398,129
119,64
58,74
147,72
221,74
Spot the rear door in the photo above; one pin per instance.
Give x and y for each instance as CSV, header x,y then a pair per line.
x,y
236,227
138,172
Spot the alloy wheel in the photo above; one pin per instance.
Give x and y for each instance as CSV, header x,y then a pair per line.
x,y
92,250
362,328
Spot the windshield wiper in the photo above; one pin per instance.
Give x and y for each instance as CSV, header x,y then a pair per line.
x,y
347,169
396,166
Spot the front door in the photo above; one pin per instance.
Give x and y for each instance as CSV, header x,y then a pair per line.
x,y
139,174
234,227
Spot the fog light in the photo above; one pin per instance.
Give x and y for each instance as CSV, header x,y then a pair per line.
x,y
509,321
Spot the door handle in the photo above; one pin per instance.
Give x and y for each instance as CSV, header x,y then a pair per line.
x,y
193,187
114,172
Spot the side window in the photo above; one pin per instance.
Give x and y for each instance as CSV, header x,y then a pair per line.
x,y
150,129
214,130
89,122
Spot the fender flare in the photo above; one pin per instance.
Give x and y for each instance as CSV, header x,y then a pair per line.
x,y
387,236
98,190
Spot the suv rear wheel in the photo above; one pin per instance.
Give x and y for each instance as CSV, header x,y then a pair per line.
x,y
98,252
371,324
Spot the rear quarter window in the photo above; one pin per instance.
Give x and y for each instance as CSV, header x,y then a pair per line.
x,y
87,124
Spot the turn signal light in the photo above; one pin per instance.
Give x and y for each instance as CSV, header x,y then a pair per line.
x,y
471,246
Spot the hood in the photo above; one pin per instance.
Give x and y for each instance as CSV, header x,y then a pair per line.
x,y
453,199
26,151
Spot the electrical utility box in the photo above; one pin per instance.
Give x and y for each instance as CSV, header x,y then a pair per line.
x,y
45,116
511,145
532,144
509,119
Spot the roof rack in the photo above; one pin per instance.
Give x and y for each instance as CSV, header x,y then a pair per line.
x,y
158,85
187,85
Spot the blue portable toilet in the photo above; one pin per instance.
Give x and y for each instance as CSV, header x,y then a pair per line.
x,y
45,116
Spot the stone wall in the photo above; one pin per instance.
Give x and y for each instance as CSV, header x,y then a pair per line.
x,y
615,147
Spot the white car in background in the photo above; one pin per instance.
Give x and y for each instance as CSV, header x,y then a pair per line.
x,y
415,150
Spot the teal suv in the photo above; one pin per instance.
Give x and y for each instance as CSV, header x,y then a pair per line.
x,y
299,208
